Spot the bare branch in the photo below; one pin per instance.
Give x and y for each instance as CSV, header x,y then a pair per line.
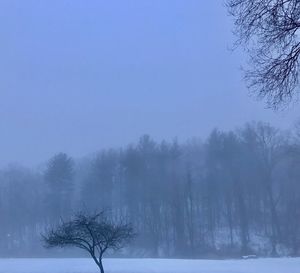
x,y
268,29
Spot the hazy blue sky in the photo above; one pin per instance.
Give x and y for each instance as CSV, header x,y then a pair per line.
x,y
77,76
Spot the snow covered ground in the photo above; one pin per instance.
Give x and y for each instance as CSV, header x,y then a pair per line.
x,y
282,265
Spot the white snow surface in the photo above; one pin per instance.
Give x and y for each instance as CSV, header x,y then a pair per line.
x,y
280,265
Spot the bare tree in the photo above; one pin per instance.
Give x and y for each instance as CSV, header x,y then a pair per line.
x,y
269,30
93,233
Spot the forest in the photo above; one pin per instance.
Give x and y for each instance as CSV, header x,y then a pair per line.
x,y
234,193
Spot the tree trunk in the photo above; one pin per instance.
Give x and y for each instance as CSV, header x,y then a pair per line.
x,y
98,262
101,266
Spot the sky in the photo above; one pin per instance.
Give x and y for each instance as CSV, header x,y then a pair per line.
x,y
78,76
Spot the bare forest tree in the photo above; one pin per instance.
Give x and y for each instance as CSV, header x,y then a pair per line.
x,y
59,178
269,31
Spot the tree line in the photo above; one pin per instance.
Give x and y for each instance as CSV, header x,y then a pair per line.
x,y
234,193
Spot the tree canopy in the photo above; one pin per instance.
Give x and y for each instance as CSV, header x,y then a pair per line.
x,y
269,31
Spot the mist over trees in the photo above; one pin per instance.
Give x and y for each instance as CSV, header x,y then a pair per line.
x,y
234,193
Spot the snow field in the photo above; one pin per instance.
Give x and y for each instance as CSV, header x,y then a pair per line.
x,y
280,265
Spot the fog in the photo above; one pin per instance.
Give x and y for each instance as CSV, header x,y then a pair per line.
x,y
77,76
140,108
234,193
